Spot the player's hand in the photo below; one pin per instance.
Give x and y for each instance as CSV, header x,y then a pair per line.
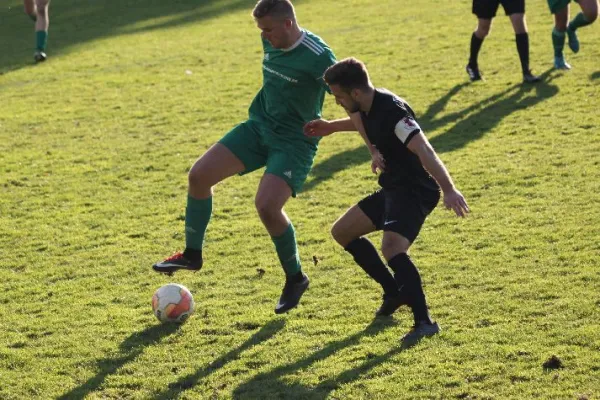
x,y
454,200
318,128
377,160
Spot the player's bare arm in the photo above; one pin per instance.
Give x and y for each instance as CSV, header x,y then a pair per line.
x,y
453,199
322,127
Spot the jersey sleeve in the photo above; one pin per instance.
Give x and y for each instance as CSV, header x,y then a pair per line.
x,y
324,61
406,128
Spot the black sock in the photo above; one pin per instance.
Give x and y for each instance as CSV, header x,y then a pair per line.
x,y
522,40
367,258
475,47
408,274
193,255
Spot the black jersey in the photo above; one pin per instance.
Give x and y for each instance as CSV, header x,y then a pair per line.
x,y
390,125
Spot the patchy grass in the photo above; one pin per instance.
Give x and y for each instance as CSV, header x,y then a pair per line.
x,y
94,149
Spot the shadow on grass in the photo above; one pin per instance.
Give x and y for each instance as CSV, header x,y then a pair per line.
x,y
131,348
75,22
470,123
482,117
325,170
595,75
272,384
187,382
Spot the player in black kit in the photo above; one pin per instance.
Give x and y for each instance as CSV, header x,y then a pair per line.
x,y
411,177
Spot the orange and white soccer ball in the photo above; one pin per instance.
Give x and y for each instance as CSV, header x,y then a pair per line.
x,y
173,303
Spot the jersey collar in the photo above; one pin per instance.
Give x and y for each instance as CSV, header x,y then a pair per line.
x,y
292,47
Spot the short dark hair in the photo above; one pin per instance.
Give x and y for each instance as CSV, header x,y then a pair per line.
x,y
274,8
348,73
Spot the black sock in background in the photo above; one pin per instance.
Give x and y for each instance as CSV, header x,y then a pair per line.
x,y
368,259
522,40
408,273
475,47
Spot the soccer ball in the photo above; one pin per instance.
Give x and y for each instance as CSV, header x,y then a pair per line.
x,y
173,303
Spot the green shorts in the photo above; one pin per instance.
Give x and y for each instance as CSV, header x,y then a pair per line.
x,y
257,146
557,5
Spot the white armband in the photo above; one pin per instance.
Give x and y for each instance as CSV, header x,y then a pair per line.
x,y
406,128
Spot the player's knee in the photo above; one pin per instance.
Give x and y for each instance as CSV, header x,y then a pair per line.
x,y
265,209
41,12
29,8
337,232
483,30
561,26
197,178
388,250
391,248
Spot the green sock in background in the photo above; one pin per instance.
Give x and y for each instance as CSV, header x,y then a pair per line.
x,y
197,216
558,42
287,250
579,21
41,39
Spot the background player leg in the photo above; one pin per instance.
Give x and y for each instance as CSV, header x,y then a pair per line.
x,y
395,248
588,14
348,231
217,164
522,41
41,29
483,29
30,9
558,38
273,192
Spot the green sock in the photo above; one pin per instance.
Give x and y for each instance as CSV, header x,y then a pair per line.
x,y
197,216
558,42
41,39
287,250
579,21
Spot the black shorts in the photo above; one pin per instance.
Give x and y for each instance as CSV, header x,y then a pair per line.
x,y
402,211
486,9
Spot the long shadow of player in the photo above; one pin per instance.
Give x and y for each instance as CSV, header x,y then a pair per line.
x,y
473,123
73,22
272,384
325,170
131,348
482,117
188,381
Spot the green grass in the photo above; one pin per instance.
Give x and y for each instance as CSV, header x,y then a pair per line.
x,y
94,149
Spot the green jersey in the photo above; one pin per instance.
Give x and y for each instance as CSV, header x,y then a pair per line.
x,y
293,88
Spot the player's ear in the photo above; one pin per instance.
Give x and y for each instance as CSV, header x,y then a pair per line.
x,y
288,23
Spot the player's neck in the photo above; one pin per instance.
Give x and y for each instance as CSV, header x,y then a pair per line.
x,y
295,35
367,100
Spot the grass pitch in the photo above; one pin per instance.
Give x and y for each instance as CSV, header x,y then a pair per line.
x,y
95,145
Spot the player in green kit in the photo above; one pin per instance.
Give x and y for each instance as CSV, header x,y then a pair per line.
x,y
562,26
38,11
292,94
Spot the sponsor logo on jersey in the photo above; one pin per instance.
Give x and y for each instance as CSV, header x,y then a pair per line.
x,y
288,174
279,74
